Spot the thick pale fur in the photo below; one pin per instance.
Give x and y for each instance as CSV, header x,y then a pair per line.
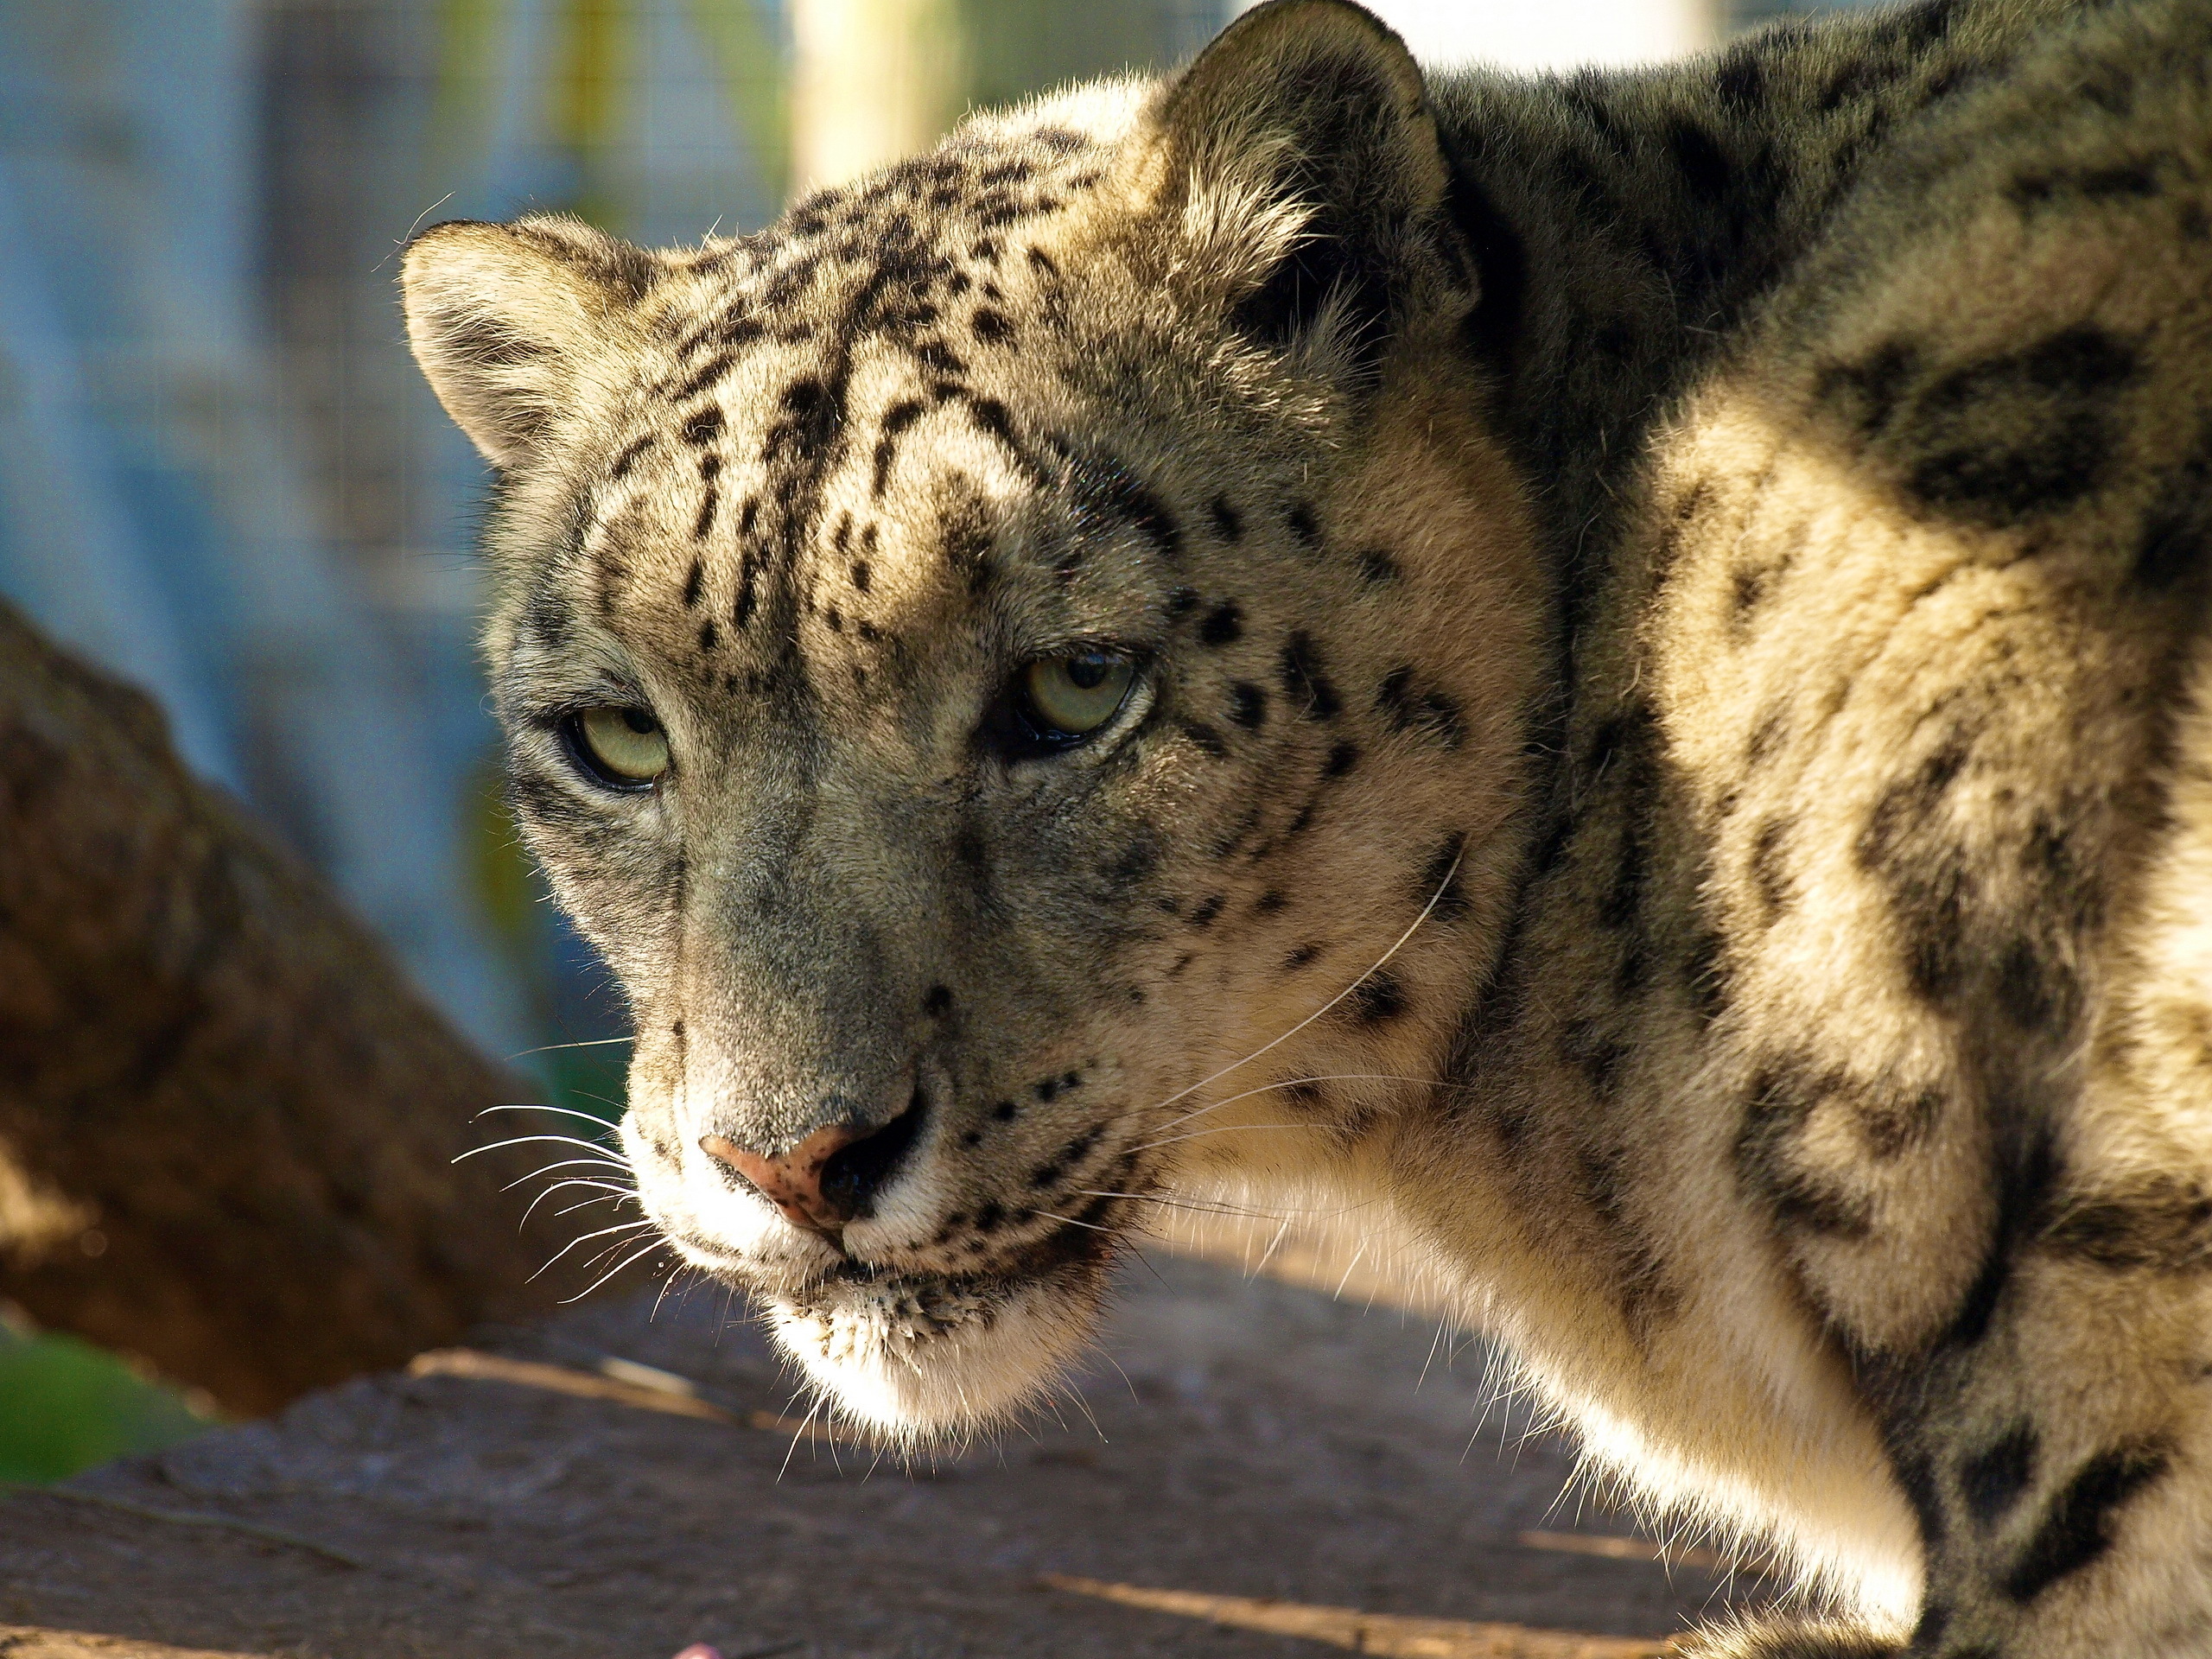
x,y
1670,775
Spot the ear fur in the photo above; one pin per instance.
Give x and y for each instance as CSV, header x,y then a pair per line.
x,y
502,317
1302,154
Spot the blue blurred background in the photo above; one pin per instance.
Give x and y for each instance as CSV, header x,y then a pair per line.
x,y
221,478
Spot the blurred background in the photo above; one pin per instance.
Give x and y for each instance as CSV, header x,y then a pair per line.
x,y
221,477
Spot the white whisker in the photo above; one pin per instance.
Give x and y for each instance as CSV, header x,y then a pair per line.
x,y
1222,1129
610,1272
576,1181
1197,1205
1442,888
615,1164
622,1227
524,1139
559,1111
613,1195
558,1048
1294,1083
1071,1220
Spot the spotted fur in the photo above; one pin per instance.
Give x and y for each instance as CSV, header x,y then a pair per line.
x,y
1670,771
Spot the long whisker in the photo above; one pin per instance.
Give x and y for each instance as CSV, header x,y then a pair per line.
x,y
1294,1083
613,1195
610,1272
1196,1206
1071,1221
581,1042
1220,1128
574,1181
1442,888
621,1227
524,1139
560,1111
615,1164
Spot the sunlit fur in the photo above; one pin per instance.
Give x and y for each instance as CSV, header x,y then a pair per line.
x,y
1667,786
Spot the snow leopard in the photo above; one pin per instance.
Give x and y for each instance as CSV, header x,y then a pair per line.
x,y
1606,671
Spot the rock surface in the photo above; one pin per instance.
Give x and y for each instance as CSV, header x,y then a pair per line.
x,y
1249,1468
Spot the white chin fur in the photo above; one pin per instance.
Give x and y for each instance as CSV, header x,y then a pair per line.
x,y
918,1364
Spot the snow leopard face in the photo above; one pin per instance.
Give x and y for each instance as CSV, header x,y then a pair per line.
x,y
992,661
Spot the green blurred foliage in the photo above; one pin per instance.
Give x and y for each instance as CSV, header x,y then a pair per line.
x,y
66,1406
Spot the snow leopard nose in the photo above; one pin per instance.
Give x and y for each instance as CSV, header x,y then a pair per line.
x,y
830,1178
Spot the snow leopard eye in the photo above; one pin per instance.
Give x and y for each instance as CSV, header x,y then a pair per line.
x,y
1065,699
622,748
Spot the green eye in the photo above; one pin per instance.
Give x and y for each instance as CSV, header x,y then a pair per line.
x,y
1070,697
624,747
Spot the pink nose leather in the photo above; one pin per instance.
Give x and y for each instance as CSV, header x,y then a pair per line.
x,y
793,1182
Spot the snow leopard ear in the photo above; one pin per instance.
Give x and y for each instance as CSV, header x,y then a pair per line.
x,y
1301,151
505,318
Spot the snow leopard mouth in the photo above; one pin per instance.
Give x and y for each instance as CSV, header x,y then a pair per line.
x,y
918,1355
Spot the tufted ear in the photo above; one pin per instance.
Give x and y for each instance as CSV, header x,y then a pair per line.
x,y
503,318
1302,152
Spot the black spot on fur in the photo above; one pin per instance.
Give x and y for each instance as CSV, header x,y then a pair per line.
x,y
1782,1099
709,505
707,373
2159,1222
1930,887
1741,80
1766,737
1991,1479
896,420
1300,957
1181,601
1377,566
1769,875
1376,999
1106,492
1705,975
2176,545
2023,433
991,325
2023,1199
811,413
2034,995
1269,903
747,597
1869,390
1928,1631
1342,759
937,1002
1304,526
2077,1527
2130,180
1223,625
710,635
1004,1111
1917,1475
1596,1053
1247,706
1204,737
1698,156
1208,908
1745,589
1227,523
1306,681
703,428
694,580
1428,712
631,454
